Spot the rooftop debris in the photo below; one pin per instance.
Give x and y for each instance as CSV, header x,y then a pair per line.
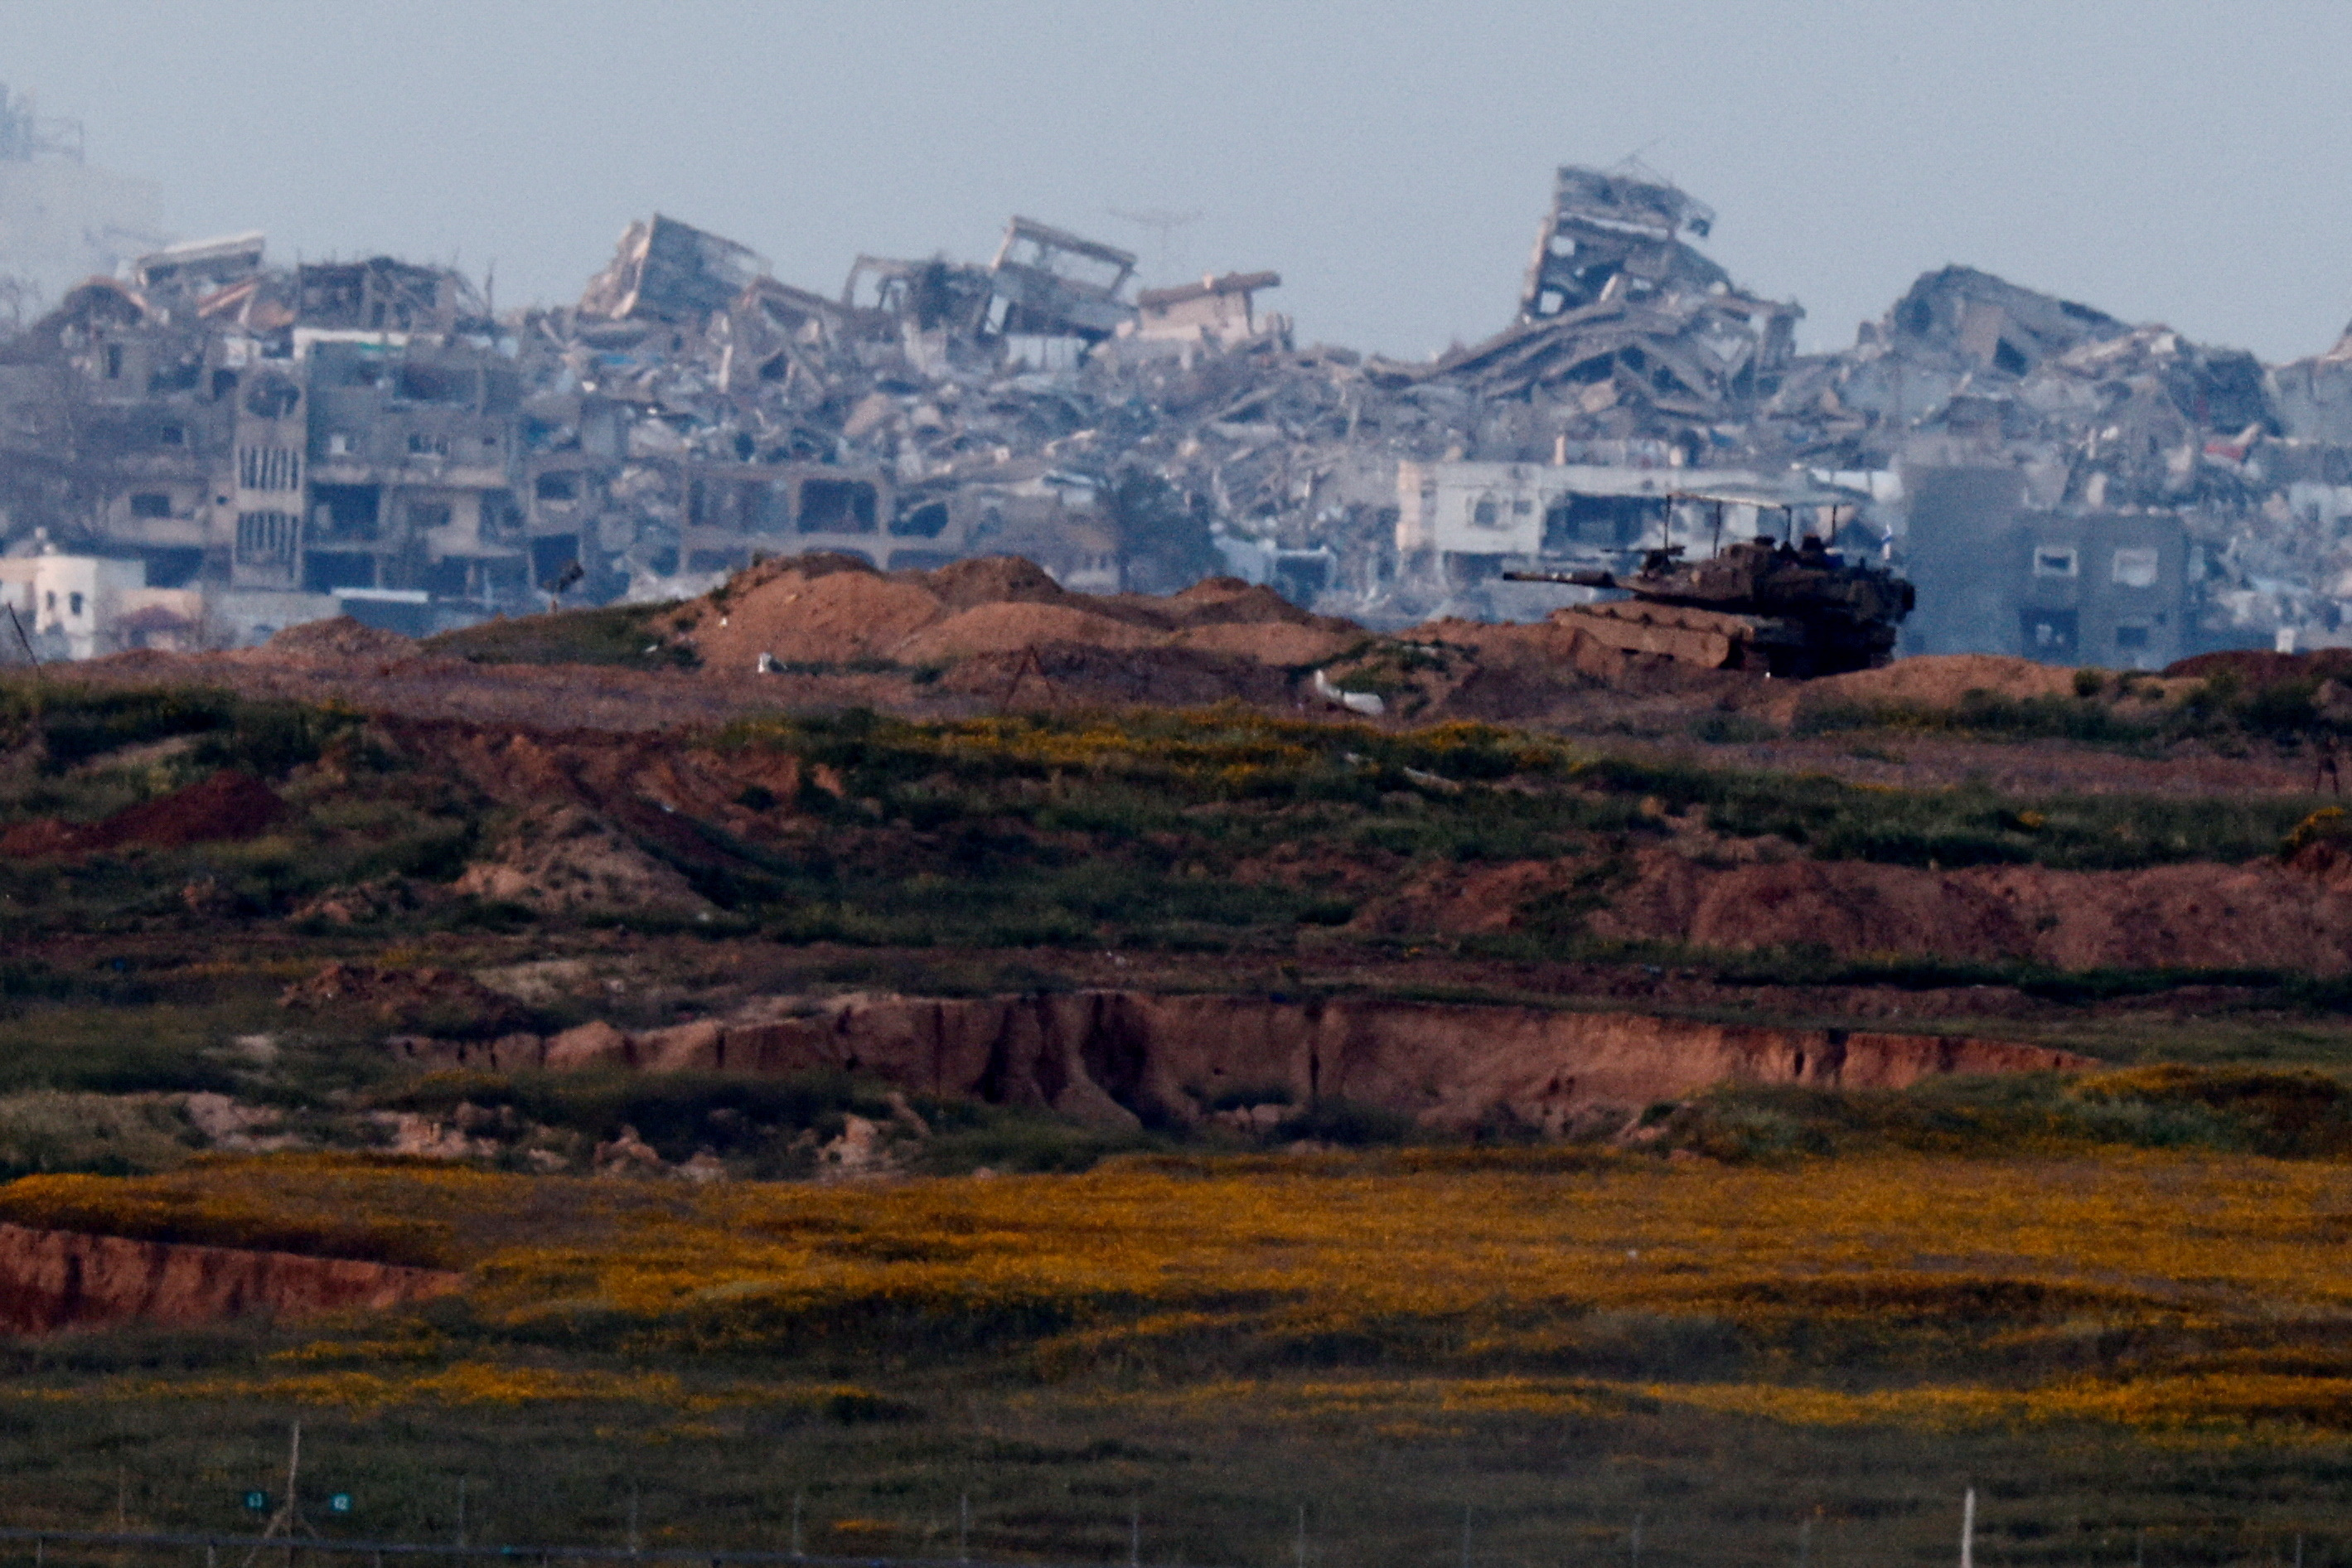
x,y
665,270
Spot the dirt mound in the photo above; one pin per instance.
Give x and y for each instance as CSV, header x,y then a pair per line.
x,y
993,580
1939,681
825,611
1009,627
341,637
562,857
837,615
1216,600
1280,643
2258,668
442,1001
225,805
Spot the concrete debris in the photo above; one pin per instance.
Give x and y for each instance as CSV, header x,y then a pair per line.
x,y
209,449
1616,234
665,270
1046,282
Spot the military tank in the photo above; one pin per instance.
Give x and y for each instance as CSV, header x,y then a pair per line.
x,y
1793,612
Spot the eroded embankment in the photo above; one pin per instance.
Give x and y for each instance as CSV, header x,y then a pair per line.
x,y
53,1279
1120,1057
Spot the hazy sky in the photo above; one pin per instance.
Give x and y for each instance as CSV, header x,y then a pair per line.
x,y
2165,161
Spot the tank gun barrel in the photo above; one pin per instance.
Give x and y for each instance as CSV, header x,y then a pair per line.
x,y
1573,579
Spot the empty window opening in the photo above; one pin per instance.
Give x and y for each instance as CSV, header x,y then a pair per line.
x,y
2054,561
2135,568
151,503
434,384
925,521
73,604
844,506
345,512
556,487
763,508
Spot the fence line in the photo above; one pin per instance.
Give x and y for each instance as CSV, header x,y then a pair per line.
x,y
504,1553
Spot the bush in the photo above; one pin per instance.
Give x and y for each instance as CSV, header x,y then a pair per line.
x,y
110,1135
2290,1113
735,1116
76,726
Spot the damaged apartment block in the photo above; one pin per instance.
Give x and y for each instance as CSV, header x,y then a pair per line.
x,y
262,444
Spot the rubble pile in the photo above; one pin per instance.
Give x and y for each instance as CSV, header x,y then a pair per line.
x,y
209,449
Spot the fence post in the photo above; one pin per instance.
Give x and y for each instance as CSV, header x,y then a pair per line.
x,y
1969,1529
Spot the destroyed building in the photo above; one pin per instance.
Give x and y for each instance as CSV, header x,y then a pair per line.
x,y
62,218
365,436
343,429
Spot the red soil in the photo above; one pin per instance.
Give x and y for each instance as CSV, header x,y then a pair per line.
x,y
225,805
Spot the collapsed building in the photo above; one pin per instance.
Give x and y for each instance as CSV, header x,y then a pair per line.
x,y
272,444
